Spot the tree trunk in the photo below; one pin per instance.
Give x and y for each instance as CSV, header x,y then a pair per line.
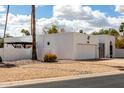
x,y
34,53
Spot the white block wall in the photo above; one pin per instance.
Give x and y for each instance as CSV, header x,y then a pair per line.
x,y
119,53
11,54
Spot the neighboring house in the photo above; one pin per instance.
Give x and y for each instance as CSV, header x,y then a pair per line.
x,y
66,45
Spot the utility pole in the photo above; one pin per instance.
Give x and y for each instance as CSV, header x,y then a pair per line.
x,y
34,52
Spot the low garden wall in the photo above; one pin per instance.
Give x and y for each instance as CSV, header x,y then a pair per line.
x,y
119,53
15,53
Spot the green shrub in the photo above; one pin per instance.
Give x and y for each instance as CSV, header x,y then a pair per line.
x,y
50,58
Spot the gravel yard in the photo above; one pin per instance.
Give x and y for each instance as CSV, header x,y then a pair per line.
x,y
28,69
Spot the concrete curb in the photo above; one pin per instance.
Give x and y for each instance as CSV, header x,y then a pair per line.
x,y
48,80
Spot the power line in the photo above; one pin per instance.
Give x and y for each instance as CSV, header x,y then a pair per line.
x,y
6,21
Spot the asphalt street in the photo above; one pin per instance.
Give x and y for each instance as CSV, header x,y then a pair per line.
x,y
112,81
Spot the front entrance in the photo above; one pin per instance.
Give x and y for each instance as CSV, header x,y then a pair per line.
x,y
101,50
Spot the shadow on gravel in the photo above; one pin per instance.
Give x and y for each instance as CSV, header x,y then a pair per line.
x,y
95,60
4,65
121,68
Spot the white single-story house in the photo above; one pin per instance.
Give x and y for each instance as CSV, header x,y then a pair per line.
x,y
66,45
76,46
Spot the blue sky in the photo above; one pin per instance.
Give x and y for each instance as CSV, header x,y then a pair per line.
x,y
46,11
41,11
108,9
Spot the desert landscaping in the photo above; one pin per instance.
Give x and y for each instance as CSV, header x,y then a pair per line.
x,y
28,69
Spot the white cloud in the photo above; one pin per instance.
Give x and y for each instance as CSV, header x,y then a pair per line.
x,y
84,13
15,23
68,25
18,19
70,12
115,21
119,8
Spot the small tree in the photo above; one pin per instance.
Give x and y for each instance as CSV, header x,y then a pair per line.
x,y
113,32
1,42
81,31
25,32
53,29
119,43
121,28
109,31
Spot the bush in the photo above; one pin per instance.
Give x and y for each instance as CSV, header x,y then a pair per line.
x,y
50,58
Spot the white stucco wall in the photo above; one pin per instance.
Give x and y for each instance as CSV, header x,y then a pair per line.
x,y
90,50
64,44
60,44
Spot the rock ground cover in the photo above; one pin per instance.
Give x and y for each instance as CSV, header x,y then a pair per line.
x,y
28,69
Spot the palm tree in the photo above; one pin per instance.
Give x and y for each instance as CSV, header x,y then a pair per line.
x,y
34,52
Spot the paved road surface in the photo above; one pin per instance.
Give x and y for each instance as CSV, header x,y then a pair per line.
x,y
113,81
